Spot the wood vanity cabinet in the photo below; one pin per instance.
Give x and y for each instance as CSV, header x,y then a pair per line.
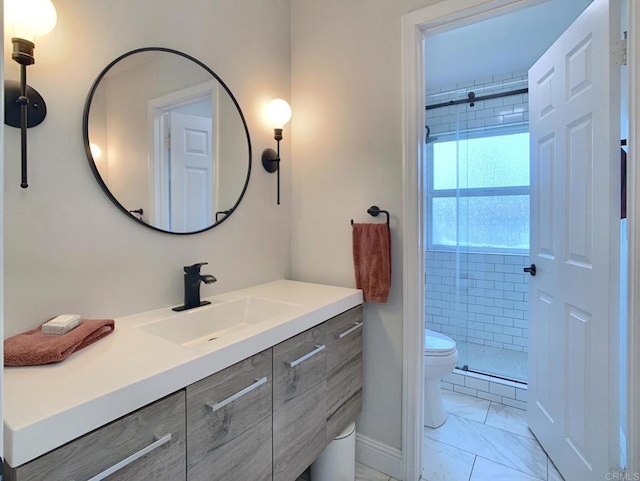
x,y
344,370
266,418
299,402
229,424
146,445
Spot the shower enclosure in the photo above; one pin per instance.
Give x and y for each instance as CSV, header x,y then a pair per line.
x,y
477,224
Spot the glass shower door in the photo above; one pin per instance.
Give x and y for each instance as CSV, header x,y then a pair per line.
x,y
477,239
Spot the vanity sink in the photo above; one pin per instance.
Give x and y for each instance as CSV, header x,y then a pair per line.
x,y
208,323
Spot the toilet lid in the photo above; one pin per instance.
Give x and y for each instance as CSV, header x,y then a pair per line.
x,y
436,344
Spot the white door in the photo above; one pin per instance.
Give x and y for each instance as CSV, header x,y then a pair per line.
x,y
192,173
575,216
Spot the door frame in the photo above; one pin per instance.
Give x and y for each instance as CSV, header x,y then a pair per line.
x,y
442,16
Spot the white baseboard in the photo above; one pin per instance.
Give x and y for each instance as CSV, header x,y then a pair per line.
x,y
378,456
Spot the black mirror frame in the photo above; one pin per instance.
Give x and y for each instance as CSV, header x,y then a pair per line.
x,y
91,160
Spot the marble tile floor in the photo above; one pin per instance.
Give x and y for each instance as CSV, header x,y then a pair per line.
x,y
484,441
363,473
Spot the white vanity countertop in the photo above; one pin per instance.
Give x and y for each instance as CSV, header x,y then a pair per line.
x,y
48,406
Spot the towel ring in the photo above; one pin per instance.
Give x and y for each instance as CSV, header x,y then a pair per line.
x,y
375,211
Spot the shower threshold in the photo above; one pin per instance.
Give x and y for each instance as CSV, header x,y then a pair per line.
x,y
493,361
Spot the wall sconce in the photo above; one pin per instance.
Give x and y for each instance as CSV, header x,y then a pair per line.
x,y
277,114
24,107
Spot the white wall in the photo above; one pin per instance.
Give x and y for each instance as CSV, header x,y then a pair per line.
x,y
68,249
347,156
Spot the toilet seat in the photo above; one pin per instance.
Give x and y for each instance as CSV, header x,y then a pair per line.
x,y
436,344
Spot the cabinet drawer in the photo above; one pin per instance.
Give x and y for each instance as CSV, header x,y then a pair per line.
x,y
157,429
344,376
229,423
344,338
299,403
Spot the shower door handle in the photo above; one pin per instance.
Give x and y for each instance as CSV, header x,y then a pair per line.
x,y
531,269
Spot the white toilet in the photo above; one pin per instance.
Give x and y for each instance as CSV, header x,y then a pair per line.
x,y
440,357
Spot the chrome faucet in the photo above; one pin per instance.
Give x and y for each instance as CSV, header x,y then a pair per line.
x,y
192,280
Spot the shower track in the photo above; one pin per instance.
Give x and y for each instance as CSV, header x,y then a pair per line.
x,y
471,98
493,361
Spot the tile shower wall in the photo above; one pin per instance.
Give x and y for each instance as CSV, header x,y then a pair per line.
x,y
491,305
512,110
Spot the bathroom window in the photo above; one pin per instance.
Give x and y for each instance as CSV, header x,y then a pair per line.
x,y
478,191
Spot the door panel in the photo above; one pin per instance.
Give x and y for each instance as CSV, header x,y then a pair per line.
x,y
192,173
574,125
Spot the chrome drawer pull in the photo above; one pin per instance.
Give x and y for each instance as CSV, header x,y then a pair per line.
x,y
238,395
134,457
306,356
357,326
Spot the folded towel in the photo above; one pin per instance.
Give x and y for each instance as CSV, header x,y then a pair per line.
x,y
372,260
33,348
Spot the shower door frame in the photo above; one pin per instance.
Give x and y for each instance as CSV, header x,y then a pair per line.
x,y
439,17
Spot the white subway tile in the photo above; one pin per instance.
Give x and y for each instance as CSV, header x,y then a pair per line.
x,y
514,296
513,118
484,113
504,303
504,321
513,99
514,403
446,385
495,311
514,260
495,294
506,286
493,328
503,338
477,384
454,379
513,331
505,268
521,395
492,103
522,306
514,314
487,336
504,111
521,341
494,276
502,390
515,278
465,390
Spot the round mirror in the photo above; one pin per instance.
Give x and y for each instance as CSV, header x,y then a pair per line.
x,y
167,141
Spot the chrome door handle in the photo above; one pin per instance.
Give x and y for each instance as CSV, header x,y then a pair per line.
x,y
238,395
134,457
357,326
317,350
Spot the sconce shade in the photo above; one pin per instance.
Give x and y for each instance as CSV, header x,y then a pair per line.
x,y
278,113
28,19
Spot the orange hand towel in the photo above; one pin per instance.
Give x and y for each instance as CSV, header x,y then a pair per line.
x,y
33,348
372,260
